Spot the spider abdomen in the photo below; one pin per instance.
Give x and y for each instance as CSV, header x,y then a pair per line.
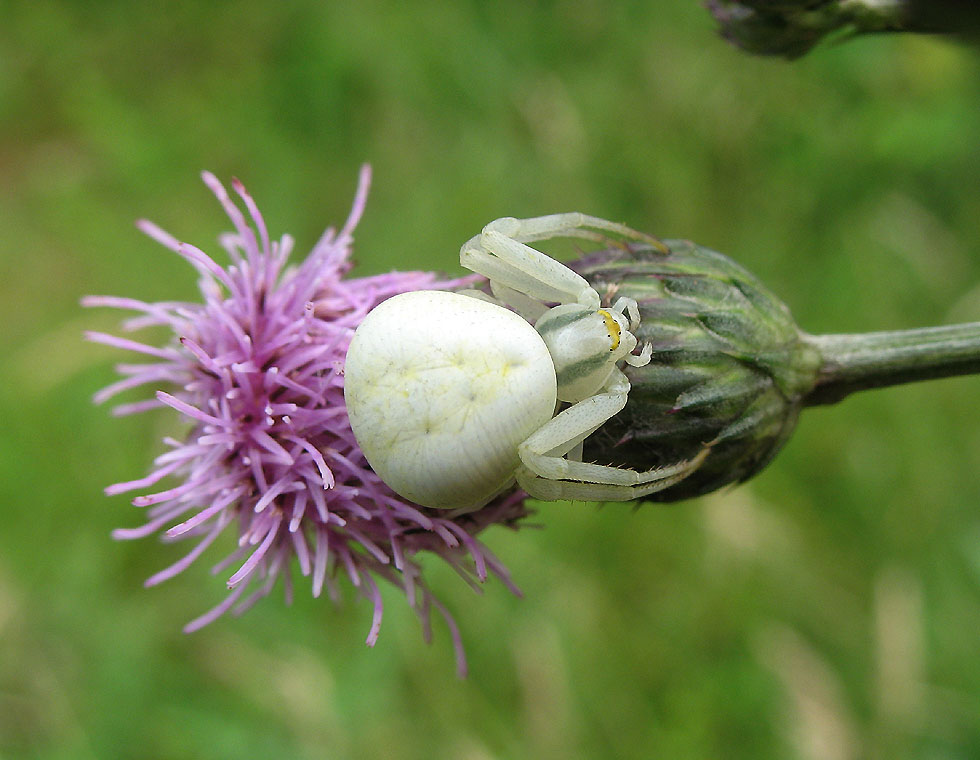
x,y
441,388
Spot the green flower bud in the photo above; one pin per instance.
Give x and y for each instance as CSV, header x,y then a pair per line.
x,y
730,368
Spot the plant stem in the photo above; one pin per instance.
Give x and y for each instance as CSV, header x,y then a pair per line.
x,y
875,360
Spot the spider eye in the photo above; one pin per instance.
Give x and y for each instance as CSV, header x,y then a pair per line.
x,y
612,327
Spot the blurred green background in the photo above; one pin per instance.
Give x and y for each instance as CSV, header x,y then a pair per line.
x,y
828,609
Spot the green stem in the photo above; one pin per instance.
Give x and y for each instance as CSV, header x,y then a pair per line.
x,y
875,360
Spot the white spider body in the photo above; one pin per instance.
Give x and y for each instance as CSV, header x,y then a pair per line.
x,y
441,389
452,397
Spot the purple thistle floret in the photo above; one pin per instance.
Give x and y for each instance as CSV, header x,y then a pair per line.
x,y
257,370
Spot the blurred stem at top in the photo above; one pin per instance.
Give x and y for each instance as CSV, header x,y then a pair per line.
x,y
731,369
790,28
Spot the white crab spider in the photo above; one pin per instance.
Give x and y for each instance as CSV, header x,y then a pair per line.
x,y
452,397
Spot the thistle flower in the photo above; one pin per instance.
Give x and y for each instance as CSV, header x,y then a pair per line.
x,y
256,371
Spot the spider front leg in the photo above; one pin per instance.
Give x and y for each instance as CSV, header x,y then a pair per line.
x,y
567,225
518,267
501,254
546,473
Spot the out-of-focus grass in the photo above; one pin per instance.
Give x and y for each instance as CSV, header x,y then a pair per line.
x,y
829,609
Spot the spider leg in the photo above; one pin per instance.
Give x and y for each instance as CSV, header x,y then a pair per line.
x,y
568,225
500,253
530,308
517,266
564,490
546,470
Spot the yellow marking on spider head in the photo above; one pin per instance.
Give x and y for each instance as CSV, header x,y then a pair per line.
x,y
612,326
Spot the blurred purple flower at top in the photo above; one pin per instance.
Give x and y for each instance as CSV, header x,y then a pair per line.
x,y
257,370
